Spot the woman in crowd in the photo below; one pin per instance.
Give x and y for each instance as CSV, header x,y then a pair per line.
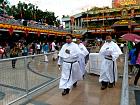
x,y
14,53
46,50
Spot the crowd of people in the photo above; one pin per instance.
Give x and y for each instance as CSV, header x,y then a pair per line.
x,y
72,58
72,62
21,48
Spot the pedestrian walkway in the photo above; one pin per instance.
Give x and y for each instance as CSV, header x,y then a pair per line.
x,y
134,91
86,93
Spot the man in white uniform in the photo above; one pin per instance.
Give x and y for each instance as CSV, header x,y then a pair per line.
x,y
68,59
110,52
54,56
82,56
53,46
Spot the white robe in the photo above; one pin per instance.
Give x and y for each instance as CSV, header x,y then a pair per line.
x,y
54,55
107,74
82,57
68,79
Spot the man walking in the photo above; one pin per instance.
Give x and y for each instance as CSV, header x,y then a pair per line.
x,y
68,59
110,52
82,56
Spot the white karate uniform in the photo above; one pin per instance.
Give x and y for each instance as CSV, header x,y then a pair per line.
x,y
70,66
108,73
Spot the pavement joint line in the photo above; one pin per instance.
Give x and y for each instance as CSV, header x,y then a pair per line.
x,y
30,69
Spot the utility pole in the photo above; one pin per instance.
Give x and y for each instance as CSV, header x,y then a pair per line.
x,y
129,25
103,16
87,20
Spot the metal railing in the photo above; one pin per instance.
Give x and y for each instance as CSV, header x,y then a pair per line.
x,y
30,75
125,85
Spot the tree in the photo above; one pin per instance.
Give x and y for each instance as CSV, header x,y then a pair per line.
x,y
1,1
31,12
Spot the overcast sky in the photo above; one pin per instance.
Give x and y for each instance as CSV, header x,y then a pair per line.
x,y
65,7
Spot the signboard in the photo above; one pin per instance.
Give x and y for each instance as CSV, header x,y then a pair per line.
x,y
128,2
118,3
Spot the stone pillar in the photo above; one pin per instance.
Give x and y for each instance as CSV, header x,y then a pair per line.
x,y
81,23
75,23
69,25
78,23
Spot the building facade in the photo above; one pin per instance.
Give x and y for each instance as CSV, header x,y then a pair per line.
x,y
98,21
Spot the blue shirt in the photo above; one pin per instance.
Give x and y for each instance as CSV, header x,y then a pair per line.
x,y
132,56
46,48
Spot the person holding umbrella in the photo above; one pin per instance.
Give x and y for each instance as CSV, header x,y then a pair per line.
x,y
134,38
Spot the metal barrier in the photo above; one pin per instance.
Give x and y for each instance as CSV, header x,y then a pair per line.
x,y
29,75
125,85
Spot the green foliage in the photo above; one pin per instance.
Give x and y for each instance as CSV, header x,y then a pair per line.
x,y
31,12
1,1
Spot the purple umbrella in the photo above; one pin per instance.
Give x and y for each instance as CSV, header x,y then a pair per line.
x,y
131,37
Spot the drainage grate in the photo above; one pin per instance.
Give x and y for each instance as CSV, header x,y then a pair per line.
x,y
137,96
33,102
2,95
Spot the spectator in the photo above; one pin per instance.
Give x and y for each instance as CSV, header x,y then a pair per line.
x,y
14,53
137,63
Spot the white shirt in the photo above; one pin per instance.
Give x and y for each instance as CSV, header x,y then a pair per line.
x,y
122,45
53,46
83,49
110,49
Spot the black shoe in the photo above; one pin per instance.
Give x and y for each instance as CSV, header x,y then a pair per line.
x,y
83,76
135,82
75,84
103,87
54,59
13,66
66,91
110,85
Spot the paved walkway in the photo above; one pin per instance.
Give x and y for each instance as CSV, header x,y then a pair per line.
x,y
134,91
86,93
